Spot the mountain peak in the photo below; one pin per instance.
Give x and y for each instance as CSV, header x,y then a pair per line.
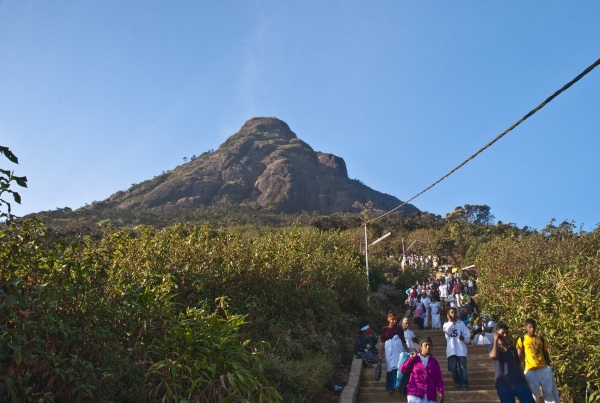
x,y
268,125
263,163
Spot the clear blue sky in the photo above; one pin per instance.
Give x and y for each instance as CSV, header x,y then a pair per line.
x,y
98,95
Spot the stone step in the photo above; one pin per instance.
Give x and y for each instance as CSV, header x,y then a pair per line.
x,y
480,373
473,377
474,358
476,384
450,396
472,368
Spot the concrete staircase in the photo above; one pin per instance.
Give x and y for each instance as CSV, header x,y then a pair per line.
x,y
480,372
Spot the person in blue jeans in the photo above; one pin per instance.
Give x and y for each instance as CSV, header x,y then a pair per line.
x,y
510,379
457,335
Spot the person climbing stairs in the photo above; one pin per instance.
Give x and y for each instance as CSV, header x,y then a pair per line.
x,y
479,368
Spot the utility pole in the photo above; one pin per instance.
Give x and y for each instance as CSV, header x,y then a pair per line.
x,y
367,252
367,258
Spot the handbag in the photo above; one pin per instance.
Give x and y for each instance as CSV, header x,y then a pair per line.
x,y
403,383
378,370
401,376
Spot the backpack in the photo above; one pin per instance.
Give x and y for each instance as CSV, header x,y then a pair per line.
x,y
546,354
419,312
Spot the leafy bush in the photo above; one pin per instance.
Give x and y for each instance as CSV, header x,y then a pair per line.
x,y
7,179
552,277
123,315
197,365
302,379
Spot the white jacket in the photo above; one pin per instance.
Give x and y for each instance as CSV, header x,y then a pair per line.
x,y
453,331
393,348
409,336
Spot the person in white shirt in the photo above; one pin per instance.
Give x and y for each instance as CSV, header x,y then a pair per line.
x,y
434,307
471,286
409,336
451,301
457,335
443,294
459,299
487,336
426,302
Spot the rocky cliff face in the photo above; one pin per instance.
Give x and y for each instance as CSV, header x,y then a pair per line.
x,y
264,162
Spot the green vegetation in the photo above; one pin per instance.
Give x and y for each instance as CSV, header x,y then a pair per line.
x,y
247,313
551,276
181,313
260,309
7,178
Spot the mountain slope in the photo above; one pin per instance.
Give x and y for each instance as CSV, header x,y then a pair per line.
x,y
266,163
262,175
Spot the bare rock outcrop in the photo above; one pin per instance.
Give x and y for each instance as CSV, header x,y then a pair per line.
x,y
266,163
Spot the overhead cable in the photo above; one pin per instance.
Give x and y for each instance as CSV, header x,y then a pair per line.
x,y
534,110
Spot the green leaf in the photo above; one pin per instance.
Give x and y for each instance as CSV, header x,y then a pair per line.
x,y
9,154
21,180
17,357
11,299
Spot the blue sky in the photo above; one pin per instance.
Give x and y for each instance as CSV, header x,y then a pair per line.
x,y
96,96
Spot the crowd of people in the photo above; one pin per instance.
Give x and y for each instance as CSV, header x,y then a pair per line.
x,y
417,261
521,370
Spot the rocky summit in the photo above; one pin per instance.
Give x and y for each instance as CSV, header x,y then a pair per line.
x,y
266,163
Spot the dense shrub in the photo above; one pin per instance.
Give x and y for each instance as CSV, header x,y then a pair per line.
x,y
131,315
553,277
140,314
200,366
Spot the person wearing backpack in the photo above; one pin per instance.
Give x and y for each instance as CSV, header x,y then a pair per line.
x,y
419,314
533,351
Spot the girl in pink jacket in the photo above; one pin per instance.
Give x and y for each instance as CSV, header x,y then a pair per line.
x,y
425,384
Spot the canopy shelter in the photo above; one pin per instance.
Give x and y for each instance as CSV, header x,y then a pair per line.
x,y
469,270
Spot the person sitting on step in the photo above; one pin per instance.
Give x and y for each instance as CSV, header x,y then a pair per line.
x,y
365,346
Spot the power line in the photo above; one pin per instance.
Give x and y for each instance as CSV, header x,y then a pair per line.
x,y
534,110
